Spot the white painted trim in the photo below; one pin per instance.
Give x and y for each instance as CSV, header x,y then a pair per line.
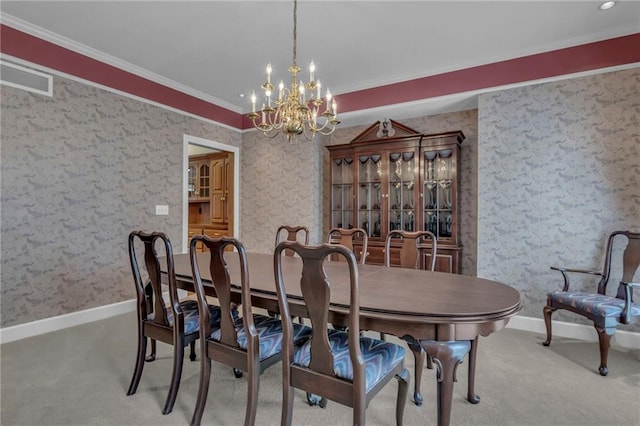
x,y
47,77
628,339
116,91
48,325
89,52
186,140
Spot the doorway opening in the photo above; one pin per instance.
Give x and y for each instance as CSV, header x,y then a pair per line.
x,y
193,145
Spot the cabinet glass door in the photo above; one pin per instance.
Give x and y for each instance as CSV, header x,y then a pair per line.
x,y
403,173
438,192
204,181
369,200
342,193
191,181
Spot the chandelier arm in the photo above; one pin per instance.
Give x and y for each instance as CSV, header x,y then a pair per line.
x,y
306,135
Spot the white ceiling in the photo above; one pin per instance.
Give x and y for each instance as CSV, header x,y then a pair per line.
x,y
218,49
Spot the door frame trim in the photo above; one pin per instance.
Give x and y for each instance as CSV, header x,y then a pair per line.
x,y
189,139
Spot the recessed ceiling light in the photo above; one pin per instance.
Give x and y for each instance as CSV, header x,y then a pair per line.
x,y
607,5
241,95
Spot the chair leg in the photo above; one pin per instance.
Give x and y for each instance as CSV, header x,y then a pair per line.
x,y
253,383
137,372
203,389
403,389
605,341
359,410
152,356
419,356
192,353
287,404
546,313
178,355
429,362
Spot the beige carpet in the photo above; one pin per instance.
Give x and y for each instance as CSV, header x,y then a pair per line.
x,y
79,376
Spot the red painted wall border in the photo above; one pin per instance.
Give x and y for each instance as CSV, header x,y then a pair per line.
x,y
33,49
585,57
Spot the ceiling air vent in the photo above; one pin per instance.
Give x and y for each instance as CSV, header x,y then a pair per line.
x,y
25,78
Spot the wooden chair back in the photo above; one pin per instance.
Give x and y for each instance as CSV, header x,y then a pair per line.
x,y
412,244
292,234
223,345
221,281
630,261
152,313
347,237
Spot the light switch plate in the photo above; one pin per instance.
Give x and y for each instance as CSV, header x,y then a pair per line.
x,y
162,210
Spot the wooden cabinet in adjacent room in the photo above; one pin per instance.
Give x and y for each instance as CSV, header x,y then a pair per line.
x,y
210,186
392,177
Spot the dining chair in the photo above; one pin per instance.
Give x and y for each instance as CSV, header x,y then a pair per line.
x,y
606,311
177,324
346,237
292,233
250,343
410,255
342,366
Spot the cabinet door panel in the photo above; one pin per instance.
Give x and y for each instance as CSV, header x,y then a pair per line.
x,y
402,190
342,204
218,187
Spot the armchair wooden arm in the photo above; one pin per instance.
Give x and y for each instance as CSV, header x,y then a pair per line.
x,y
564,271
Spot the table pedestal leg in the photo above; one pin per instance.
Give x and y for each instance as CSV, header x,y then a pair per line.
x,y
446,356
472,397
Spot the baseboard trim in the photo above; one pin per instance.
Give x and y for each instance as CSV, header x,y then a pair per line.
x,y
48,325
628,339
624,338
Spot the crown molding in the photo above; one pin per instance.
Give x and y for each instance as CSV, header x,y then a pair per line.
x,y
89,52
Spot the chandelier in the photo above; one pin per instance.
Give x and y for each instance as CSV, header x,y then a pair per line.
x,y
294,112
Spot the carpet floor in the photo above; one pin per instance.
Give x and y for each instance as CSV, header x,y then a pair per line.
x,y
79,376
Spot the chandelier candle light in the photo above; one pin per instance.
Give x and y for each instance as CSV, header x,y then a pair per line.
x,y
293,111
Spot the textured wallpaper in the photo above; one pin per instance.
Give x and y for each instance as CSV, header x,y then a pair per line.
x,y
281,186
80,170
547,172
559,170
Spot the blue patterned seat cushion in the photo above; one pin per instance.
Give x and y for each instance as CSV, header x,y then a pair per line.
x,y
269,333
595,304
191,318
379,357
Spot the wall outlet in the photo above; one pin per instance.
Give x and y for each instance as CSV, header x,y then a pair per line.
x,y
162,210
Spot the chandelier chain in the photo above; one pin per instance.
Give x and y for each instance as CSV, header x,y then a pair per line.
x,y
295,30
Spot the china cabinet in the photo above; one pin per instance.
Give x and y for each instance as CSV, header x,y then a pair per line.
x,y
391,177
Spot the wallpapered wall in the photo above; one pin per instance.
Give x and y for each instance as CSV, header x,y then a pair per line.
x,y
80,170
559,170
281,186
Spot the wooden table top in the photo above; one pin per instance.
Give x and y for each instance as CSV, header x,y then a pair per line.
x,y
416,295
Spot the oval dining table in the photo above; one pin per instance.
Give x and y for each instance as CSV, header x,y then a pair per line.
x,y
444,312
